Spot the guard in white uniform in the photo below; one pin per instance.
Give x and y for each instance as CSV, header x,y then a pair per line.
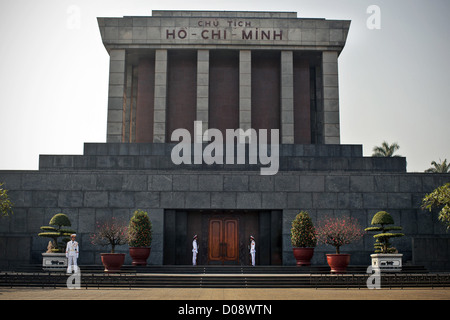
x,y
194,251
252,249
72,252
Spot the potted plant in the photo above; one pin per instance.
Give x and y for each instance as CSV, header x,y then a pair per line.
x,y
111,233
140,237
338,232
303,238
385,258
55,257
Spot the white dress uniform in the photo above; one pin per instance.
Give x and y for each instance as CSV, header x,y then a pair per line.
x,y
253,251
194,251
72,252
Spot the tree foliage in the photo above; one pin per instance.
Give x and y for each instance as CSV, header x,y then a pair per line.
x,y
386,150
441,167
439,198
5,203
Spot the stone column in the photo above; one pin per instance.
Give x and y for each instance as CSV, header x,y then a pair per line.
x,y
159,124
331,129
245,87
287,97
128,110
116,95
202,88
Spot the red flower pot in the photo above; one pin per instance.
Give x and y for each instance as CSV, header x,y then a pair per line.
x,y
139,255
303,256
112,261
338,262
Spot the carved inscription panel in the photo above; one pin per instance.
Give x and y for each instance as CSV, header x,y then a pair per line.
x,y
223,29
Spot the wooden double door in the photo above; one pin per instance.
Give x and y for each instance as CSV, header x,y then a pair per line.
x,y
223,240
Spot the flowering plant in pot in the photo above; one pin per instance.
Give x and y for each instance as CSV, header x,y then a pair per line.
x,y
140,237
303,238
111,233
386,257
338,232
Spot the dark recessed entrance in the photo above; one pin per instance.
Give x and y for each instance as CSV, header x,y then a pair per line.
x,y
223,236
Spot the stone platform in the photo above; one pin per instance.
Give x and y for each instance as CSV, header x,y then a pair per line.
x,y
222,277
157,156
114,179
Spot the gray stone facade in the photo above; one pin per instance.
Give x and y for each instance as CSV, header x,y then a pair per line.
x,y
115,179
318,175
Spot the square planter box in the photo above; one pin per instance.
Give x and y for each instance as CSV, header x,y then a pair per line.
x,y
384,262
54,262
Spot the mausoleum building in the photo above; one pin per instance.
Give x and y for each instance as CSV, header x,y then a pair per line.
x,y
209,75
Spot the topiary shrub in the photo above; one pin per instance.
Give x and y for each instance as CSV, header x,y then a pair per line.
x,y
303,233
382,243
59,220
140,230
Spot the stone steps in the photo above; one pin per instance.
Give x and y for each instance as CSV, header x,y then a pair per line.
x,y
221,269
221,277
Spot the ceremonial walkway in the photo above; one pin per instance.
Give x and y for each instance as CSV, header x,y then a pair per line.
x,y
221,283
223,294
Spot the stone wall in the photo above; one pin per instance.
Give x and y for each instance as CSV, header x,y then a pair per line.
x,y
88,190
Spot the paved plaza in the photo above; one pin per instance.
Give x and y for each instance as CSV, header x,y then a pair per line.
x,y
224,294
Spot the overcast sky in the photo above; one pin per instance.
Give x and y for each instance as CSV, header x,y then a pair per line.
x,y
394,81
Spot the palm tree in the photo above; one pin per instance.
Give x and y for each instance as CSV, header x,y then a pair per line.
x,y
441,167
386,150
